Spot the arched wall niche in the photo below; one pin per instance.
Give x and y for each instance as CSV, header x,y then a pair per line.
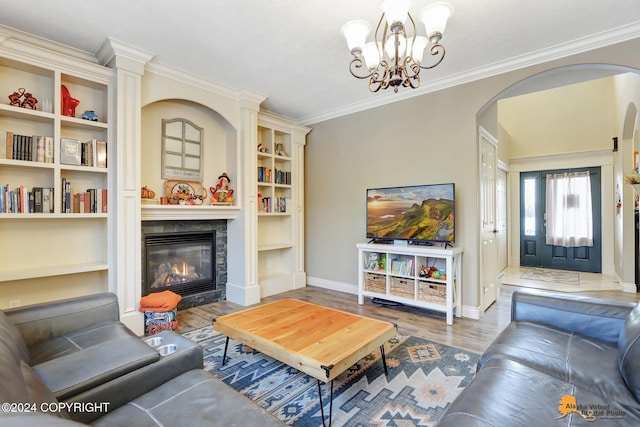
x,y
219,145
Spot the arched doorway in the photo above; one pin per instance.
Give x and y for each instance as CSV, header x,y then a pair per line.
x,y
618,232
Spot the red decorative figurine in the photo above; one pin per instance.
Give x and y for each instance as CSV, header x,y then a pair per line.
x,y
69,104
22,98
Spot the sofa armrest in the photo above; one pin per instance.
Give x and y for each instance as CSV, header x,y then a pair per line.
x,y
41,322
592,317
126,388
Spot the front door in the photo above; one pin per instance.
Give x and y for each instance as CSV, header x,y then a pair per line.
x,y
534,251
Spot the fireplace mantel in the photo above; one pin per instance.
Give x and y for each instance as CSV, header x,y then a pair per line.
x,y
180,212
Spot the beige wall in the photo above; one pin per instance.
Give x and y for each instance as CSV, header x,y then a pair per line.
x,y
626,102
427,139
571,118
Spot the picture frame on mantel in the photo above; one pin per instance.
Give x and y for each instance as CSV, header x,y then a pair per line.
x,y
181,150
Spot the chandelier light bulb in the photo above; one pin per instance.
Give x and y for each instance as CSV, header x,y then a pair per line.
x,y
371,55
435,17
356,33
396,11
417,47
390,46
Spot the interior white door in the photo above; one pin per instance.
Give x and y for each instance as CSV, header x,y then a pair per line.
x,y
501,218
488,231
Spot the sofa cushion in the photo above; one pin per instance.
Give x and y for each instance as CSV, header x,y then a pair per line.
x,y
78,340
562,354
195,398
72,374
31,419
629,352
9,330
507,393
42,322
126,388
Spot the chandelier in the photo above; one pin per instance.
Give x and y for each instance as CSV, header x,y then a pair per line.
x,y
394,58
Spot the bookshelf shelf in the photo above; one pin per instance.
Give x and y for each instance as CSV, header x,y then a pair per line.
x,y
33,273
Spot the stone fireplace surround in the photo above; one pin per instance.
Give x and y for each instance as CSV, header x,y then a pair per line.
x,y
185,226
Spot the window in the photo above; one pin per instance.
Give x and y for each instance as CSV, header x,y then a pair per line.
x,y
181,150
569,212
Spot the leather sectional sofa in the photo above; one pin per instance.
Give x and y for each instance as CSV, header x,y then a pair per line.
x,y
564,360
73,361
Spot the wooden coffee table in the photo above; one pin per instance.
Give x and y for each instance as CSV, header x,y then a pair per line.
x,y
319,341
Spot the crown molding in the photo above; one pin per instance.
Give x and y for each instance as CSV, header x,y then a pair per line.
x,y
16,39
580,45
123,55
187,78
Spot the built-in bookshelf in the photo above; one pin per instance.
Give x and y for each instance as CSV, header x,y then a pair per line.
x,y
280,200
54,172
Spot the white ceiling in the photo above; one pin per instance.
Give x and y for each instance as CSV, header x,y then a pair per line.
x,y
292,52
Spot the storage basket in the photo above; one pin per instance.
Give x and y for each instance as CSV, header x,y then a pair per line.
x,y
402,287
375,283
432,292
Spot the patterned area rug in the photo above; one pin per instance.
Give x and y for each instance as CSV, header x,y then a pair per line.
x,y
424,377
557,276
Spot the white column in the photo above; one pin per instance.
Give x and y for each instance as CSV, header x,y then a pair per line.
x,y
124,208
299,140
242,255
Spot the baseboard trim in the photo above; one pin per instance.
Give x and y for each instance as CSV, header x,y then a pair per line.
x,y
467,311
243,295
471,312
332,285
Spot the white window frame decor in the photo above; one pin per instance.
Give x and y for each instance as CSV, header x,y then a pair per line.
x,y
181,149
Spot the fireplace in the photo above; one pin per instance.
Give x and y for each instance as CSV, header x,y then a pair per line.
x,y
180,262
185,257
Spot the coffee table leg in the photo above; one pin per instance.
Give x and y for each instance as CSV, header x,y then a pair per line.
x,y
224,356
384,360
330,403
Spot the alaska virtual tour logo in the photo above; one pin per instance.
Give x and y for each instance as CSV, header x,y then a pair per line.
x,y
590,411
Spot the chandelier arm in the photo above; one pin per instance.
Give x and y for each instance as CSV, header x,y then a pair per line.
x,y
436,49
355,65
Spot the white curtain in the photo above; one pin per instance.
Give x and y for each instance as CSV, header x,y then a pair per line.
x,y
569,214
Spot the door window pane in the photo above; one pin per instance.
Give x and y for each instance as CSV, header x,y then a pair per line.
x,y
529,197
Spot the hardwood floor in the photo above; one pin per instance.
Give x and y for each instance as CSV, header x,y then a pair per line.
x,y
473,335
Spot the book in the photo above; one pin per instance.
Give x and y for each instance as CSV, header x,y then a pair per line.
x,y
9,145
92,200
39,143
103,191
47,197
37,199
70,151
101,154
48,149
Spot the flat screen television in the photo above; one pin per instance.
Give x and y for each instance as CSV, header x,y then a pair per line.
x,y
419,214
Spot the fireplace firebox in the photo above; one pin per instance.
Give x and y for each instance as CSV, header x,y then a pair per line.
x,y
180,262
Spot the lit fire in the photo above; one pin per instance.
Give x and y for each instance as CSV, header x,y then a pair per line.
x,y
182,271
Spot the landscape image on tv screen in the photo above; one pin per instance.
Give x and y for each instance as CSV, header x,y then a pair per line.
x,y
422,213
